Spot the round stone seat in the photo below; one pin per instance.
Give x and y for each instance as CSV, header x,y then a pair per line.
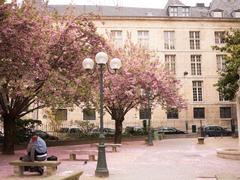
x,y
229,153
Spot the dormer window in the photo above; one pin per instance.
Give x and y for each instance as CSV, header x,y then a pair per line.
x,y
185,12
237,14
173,11
217,14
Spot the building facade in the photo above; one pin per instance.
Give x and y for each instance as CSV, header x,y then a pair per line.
x,y
183,38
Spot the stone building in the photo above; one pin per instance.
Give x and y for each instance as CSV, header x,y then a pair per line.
x,y
183,37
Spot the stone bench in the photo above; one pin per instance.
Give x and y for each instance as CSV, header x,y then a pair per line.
x,y
51,166
91,154
113,146
72,176
229,153
226,177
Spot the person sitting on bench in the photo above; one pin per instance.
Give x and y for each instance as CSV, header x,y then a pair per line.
x,y
36,151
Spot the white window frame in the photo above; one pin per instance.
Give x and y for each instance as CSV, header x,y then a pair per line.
x,y
221,62
186,11
221,97
196,65
237,14
173,11
217,14
194,37
143,38
197,87
170,63
169,40
218,35
117,38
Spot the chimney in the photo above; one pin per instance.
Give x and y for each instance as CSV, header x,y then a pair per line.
x,y
200,5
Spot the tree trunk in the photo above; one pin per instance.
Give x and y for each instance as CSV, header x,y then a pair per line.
x,y
118,131
9,134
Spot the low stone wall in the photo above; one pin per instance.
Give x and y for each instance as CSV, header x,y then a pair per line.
x,y
229,153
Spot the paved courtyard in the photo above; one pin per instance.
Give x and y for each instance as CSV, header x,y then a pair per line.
x,y
169,159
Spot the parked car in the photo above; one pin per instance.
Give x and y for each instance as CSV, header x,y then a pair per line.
x,y
215,131
64,130
169,130
72,130
134,130
106,131
45,135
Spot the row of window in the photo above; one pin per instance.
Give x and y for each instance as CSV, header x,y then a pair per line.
x,y
169,39
197,90
198,113
178,11
196,63
88,114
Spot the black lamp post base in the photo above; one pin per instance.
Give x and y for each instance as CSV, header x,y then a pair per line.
x,y
149,142
150,138
101,172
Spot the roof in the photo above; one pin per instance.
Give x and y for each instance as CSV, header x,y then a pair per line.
x,y
173,3
109,10
228,6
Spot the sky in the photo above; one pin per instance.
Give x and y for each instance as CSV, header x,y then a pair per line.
x,y
128,3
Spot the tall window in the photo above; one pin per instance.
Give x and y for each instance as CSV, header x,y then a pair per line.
x,y
185,12
61,114
169,40
143,38
196,68
197,90
194,39
144,113
117,38
170,63
172,113
173,11
89,114
221,63
199,113
219,37
221,97
225,112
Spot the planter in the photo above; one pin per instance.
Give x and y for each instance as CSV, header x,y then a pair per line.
x,y
200,140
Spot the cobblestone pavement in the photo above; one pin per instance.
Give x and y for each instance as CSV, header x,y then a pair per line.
x,y
170,159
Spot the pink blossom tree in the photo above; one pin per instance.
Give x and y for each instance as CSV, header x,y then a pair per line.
x,y
40,61
141,70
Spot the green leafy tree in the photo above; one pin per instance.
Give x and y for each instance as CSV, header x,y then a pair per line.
x,y
24,129
227,83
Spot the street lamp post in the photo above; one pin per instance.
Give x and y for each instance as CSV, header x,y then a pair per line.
x,y
186,117
146,94
101,59
150,139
